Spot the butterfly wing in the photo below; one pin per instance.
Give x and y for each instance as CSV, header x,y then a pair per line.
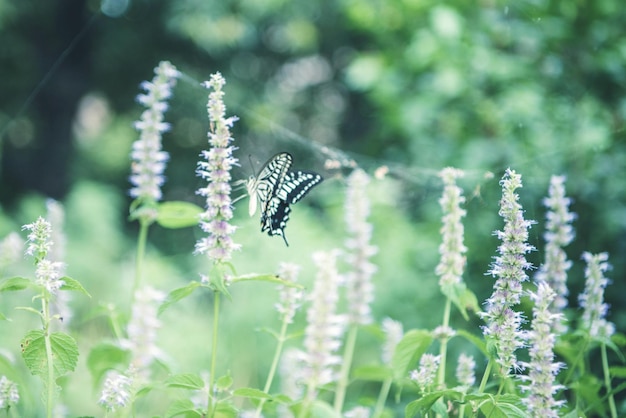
x,y
295,186
266,184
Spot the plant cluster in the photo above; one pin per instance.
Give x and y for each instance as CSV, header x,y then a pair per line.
x,y
536,360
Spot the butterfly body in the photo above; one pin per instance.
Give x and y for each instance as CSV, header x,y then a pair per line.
x,y
275,188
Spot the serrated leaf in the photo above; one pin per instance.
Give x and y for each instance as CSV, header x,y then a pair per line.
x,y
178,294
373,373
104,357
185,381
183,407
64,353
13,284
409,350
251,393
175,215
71,284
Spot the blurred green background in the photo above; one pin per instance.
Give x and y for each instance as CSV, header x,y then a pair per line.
x,y
413,85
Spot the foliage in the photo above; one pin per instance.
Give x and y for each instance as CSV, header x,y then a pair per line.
x,y
399,89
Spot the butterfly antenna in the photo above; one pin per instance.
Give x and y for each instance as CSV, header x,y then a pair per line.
x,y
239,198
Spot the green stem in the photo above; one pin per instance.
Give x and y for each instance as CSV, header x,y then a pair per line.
x,y
485,378
578,363
50,386
607,381
342,384
141,251
382,397
308,400
216,312
462,407
270,377
443,349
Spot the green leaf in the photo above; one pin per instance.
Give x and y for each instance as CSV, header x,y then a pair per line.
x,y
373,373
477,341
145,389
71,284
13,284
270,278
225,410
185,381
104,357
183,407
421,406
175,215
224,382
321,409
251,393
409,350
217,278
469,301
64,353
504,406
618,371
178,294
575,413
2,317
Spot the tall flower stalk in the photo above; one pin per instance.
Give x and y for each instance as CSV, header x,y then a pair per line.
x,y
359,287
452,250
322,336
542,369
148,158
593,320
217,162
509,268
48,277
559,233
218,244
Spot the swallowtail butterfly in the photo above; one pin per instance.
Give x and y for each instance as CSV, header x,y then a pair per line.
x,y
275,188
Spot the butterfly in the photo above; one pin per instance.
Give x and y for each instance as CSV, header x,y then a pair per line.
x,y
275,188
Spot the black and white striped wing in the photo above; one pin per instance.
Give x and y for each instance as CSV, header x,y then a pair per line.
x,y
294,187
266,184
